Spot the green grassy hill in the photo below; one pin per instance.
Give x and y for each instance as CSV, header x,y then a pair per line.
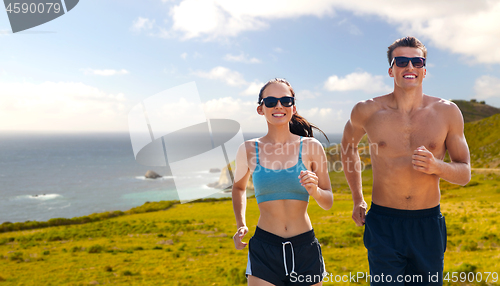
x,y
191,244
473,110
167,243
483,138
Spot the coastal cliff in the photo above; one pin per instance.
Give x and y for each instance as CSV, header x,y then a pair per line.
x,y
225,181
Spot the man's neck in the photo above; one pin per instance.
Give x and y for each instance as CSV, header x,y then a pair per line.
x,y
407,100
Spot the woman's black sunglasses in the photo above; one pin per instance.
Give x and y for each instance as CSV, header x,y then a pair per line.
x,y
270,101
417,62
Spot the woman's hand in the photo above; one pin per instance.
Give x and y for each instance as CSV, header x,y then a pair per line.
x,y
238,236
309,180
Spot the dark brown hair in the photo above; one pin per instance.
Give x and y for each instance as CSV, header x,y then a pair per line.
x,y
298,124
411,42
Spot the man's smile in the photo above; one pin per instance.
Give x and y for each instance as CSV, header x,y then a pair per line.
x,y
409,76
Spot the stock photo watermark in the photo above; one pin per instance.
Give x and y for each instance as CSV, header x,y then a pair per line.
x,y
26,14
358,277
170,129
332,150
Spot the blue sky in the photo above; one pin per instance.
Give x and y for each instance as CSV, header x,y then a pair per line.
x,y
84,71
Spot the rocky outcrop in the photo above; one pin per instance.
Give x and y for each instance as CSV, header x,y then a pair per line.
x,y
151,175
225,181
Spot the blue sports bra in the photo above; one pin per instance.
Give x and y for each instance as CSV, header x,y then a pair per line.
x,y
282,184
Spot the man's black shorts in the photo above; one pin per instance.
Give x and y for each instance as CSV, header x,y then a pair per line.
x,y
405,246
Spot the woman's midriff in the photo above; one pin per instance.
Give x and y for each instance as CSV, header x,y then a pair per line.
x,y
285,218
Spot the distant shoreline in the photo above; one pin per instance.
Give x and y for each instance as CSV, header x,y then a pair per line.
x,y
144,208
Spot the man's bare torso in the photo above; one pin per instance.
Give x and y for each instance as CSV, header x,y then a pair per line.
x,y
393,137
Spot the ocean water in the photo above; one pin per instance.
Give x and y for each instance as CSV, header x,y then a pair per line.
x,y
44,176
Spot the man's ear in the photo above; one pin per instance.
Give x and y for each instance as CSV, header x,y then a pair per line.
x,y
425,72
390,72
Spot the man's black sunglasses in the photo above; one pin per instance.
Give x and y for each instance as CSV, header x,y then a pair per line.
x,y
417,62
270,101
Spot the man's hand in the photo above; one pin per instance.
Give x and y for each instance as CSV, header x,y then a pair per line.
x,y
309,180
359,212
423,161
238,236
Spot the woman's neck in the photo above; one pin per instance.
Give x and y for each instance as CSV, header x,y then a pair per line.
x,y
279,134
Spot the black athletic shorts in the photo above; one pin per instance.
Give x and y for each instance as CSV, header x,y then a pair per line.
x,y
285,261
405,247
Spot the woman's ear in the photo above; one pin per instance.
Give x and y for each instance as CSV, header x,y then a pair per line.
x,y
259,110
294,110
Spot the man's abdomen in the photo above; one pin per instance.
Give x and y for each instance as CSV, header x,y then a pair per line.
x,y
397,185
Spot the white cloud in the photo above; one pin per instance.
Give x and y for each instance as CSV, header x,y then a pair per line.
x,y
184,55
242,58
242,111
232,78
61,106
220,18
143,24
253,89
349,102
303,94
228,104
328,119
170,70
465,27
357,81
108,72
318,113
162,33
487,87
353,29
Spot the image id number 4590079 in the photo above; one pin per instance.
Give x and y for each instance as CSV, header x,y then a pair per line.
x,y
33,8
471,276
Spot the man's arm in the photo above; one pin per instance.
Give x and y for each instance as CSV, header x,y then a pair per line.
x,y
351,162
458,170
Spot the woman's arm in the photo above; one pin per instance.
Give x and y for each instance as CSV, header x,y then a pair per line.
x,y
317,181
242,173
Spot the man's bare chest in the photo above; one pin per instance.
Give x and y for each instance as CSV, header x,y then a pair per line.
x,y
393,134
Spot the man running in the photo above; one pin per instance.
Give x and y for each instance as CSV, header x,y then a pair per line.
x,y
409,133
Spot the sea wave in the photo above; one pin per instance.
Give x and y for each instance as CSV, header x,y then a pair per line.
x,y
160,178
41,197
63,207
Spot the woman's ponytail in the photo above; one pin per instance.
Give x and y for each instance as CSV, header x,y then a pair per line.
x,y
300,126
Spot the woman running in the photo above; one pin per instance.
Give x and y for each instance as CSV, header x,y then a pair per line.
x,y
287,165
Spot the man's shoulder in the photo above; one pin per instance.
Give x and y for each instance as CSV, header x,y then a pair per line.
x,y
445,108
371,105
441,104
